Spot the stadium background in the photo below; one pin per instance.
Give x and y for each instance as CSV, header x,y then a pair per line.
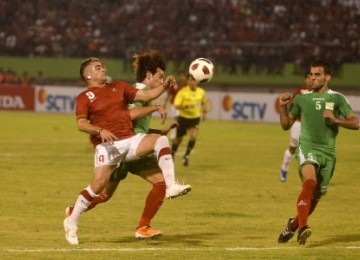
x,y
245,39
256,46
236,209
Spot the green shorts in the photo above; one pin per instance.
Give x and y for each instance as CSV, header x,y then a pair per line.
x,y
134,167
324,165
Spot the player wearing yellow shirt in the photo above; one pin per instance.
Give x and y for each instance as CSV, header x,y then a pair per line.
x,y
190,101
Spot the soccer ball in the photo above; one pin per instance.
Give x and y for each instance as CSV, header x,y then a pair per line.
x,y
201,70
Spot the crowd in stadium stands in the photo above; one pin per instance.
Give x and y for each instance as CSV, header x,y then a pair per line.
x,y
238,34
8,77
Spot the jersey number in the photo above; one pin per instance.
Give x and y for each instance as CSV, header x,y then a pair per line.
x,y
101,159
318,105
90,95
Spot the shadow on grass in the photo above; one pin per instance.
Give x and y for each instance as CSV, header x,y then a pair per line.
x,y
194,239
338,239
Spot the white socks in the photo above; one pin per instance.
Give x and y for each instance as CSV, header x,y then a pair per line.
x,y
165,160
82,202
287,160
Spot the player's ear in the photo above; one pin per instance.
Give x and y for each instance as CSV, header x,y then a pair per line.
x,y
149,76
328,77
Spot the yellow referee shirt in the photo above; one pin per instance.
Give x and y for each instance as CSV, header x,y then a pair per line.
x,y
191,102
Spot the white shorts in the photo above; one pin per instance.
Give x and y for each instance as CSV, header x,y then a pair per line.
x,y
295,133
119,151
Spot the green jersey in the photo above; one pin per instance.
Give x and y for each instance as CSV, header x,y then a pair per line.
x,y
316,132
142,125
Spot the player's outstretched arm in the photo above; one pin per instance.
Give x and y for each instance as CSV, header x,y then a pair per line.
x,y
151,94
140,112
165,130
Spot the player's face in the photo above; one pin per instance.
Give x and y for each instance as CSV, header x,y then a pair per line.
x,y
318,78
96,71
156,80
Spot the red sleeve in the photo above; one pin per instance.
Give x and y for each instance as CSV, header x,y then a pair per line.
x,y
129,91
81,110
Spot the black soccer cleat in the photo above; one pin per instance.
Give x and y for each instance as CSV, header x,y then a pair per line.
x,y
287,234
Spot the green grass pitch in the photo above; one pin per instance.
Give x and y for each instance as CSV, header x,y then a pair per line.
x,y
236,210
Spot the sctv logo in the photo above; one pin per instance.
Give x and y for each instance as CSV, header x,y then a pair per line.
x,y
57,102
249,110
245,110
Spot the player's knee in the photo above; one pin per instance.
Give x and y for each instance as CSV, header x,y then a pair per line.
x,y
162,141
162,145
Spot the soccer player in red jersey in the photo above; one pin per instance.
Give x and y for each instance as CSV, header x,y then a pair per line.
x,y
102,112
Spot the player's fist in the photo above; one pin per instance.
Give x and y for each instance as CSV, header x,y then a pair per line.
x,y
169,82
285,98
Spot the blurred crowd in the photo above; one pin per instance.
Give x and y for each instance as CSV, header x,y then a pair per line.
x,y
238,34
8,77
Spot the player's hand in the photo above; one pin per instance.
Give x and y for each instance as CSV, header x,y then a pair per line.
x,y
163,113
329,116
170,81
107,136
167,129
285,99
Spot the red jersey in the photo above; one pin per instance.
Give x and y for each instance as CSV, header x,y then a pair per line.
x,y
302,90
107,107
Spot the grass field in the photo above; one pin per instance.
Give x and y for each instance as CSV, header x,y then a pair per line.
x,y
236,210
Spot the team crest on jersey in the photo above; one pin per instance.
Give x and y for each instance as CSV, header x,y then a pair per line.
x,y
329,106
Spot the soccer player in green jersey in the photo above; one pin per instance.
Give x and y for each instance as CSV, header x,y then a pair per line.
x,y
322,112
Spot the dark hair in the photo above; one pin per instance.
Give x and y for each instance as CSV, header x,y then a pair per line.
x,y
323,64
84,64
147,61
306,74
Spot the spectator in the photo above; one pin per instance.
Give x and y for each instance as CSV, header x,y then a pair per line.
x,y
75,29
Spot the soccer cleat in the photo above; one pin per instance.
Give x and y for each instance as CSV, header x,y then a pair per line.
x,y
287,234
68,211
177,190
303,235
70,233
186,160
147,232
283,175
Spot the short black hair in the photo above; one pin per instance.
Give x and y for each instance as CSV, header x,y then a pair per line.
x,y
324,64
84,64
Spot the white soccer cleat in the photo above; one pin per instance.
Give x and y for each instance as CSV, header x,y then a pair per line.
x,y
71,233
177,190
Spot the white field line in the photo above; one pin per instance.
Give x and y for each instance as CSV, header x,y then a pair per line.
x,y
45,155
46,250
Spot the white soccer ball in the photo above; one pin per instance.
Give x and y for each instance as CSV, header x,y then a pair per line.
x,y
201,70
